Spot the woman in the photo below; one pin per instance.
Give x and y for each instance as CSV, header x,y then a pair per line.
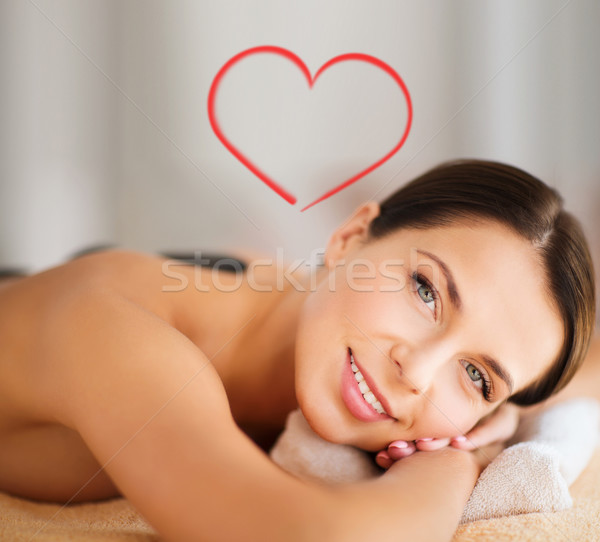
x,y
467,288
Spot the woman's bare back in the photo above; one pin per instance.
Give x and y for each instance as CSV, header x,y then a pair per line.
x,y
41,457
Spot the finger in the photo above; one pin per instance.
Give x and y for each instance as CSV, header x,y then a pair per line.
x,y
484,435
384,460
462,443
499,427
400,448
431,444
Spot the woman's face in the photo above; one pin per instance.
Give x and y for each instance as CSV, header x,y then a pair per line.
x,y
444,324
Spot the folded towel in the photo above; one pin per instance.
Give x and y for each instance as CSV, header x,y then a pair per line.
x,y
300,451
554,446
528,476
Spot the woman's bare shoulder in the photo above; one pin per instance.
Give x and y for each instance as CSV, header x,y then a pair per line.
x,y
102,335
41,315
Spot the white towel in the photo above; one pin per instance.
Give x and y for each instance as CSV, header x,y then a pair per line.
x,y
552,448
529,476
300,451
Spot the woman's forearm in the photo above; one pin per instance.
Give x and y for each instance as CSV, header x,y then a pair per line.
x,y
419,498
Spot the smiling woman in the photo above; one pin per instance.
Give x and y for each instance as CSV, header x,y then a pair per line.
x,y
441,361
478,290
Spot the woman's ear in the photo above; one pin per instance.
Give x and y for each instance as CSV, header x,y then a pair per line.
x,y
352,232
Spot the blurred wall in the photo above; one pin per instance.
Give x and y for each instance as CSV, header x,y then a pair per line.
x,y
105,135
59,160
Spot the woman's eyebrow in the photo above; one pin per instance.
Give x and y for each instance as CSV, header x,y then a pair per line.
x,y
452,290
500,372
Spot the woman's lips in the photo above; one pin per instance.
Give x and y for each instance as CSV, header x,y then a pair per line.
x,y
353,397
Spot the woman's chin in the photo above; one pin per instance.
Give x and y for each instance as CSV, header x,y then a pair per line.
x,y
330,427
326,425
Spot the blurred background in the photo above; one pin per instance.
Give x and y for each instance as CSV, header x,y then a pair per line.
x,y
105,137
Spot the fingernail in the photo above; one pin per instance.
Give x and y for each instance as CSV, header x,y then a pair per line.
x,y
398,444
424,439
459,439
384,461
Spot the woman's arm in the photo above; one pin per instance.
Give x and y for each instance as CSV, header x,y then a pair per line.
x,y
420,498
154,412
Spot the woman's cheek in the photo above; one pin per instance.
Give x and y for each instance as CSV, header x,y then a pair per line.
x,y
448,418
387,312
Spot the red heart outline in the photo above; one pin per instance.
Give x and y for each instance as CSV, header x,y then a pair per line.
x,y
212,95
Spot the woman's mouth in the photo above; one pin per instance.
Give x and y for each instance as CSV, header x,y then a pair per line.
x,y
359,398
367,394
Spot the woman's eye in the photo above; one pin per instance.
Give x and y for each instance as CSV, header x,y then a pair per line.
x,y
426,292
473,373
480,380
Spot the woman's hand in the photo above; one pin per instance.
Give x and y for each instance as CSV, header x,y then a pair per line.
x,y
482,455
498,427
486,454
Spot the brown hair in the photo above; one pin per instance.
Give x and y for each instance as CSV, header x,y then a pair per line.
x,y
470,189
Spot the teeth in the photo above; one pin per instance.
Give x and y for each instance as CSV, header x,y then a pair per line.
x,y
368,395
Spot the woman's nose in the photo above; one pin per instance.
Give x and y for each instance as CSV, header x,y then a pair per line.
x,y
417,369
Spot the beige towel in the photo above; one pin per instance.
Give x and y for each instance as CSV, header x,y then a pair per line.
x,y
530,476
115,520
